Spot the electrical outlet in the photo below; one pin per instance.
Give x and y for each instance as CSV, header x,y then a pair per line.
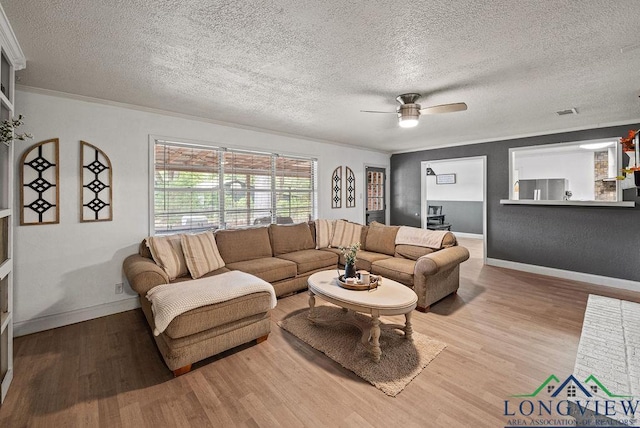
x,y
119,288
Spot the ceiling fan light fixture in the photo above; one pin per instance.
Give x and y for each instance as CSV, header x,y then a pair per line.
x,y
407,122
408,115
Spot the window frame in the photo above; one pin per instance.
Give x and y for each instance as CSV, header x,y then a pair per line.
x,y
619,202
273,190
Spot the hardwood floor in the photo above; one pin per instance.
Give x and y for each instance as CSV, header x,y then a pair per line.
x,y
506,332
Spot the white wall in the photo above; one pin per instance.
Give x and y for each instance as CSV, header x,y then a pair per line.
x,y
67,272
468,185
576,166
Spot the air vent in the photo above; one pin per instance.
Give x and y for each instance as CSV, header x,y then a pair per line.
x,y
566,112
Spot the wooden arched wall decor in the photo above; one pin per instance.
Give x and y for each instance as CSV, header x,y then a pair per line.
x,y
351,188
96,188
39,184
336,188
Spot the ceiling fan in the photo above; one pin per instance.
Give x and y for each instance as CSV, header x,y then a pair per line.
x,y
409,110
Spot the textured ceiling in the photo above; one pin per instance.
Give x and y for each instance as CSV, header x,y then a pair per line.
x,y
308,67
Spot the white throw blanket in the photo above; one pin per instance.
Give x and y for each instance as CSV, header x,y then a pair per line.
x,y
170,300
420,237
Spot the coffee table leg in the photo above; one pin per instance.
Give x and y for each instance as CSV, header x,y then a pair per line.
x,y
375,338
312,305
408,329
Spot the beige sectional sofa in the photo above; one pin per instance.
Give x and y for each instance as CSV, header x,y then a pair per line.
x,y
433,273
285,256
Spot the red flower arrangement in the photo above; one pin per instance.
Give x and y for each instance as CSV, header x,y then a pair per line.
x,y
627,143
628,146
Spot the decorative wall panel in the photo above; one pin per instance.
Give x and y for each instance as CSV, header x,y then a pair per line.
x,y
39,184
96,188
351,187
336,188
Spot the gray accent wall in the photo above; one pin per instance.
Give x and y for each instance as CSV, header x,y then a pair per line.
x,y
463,216
595,240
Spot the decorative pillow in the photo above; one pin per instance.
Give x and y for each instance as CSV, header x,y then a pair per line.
x,y
345,233
382,238
201,254
287,238
324,233
166,251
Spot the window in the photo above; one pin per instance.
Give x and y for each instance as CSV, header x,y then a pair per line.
x,y
571,391
570,172
200,188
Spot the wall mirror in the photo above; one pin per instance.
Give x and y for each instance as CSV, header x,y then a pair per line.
x,y
579,171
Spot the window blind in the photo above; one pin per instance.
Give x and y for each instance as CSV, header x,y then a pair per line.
x,y
201,188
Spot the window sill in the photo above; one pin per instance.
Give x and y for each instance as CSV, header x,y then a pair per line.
x,y
620,204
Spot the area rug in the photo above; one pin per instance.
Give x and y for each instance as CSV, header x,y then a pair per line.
x,y
401,360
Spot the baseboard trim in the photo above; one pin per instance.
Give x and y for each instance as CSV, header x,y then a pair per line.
x,y
468,235
605,281
48,322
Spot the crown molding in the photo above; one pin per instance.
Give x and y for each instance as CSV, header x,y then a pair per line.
x,y
10,43
518,136
88,99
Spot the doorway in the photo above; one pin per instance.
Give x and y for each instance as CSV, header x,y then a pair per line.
x,y
376,204
458,188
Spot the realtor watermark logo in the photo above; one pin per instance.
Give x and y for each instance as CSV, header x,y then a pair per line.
x,y
572,403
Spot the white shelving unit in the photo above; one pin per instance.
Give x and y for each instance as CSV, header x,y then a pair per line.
x,y
11,59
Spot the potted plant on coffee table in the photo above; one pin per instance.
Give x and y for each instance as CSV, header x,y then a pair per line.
x,y
350,259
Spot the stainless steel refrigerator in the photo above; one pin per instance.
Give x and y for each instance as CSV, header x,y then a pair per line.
x,y
544,189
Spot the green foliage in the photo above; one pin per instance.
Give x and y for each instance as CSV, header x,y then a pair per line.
x,y
350,252
7,129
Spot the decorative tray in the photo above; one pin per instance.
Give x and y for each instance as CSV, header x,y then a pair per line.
x,y
375,281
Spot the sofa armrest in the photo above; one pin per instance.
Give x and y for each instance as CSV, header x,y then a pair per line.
x,y
143,274
447,258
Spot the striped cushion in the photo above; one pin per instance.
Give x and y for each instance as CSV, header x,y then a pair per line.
x,y
324,233
345,233
201,254
167,253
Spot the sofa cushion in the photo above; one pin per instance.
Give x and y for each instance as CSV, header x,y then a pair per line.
x,y
271,269
289,238
243,244
206,275
345,233
324,233
167,253
219,314
143,249
412,252
381,238
201,254
400,270
366,258
310,260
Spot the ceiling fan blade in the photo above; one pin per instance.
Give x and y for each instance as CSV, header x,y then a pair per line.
x,y
375,111
444,108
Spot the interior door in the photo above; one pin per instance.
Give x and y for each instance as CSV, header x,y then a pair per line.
x,y
376,203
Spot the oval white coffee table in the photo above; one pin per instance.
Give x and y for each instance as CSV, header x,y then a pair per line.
x,y
390,298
